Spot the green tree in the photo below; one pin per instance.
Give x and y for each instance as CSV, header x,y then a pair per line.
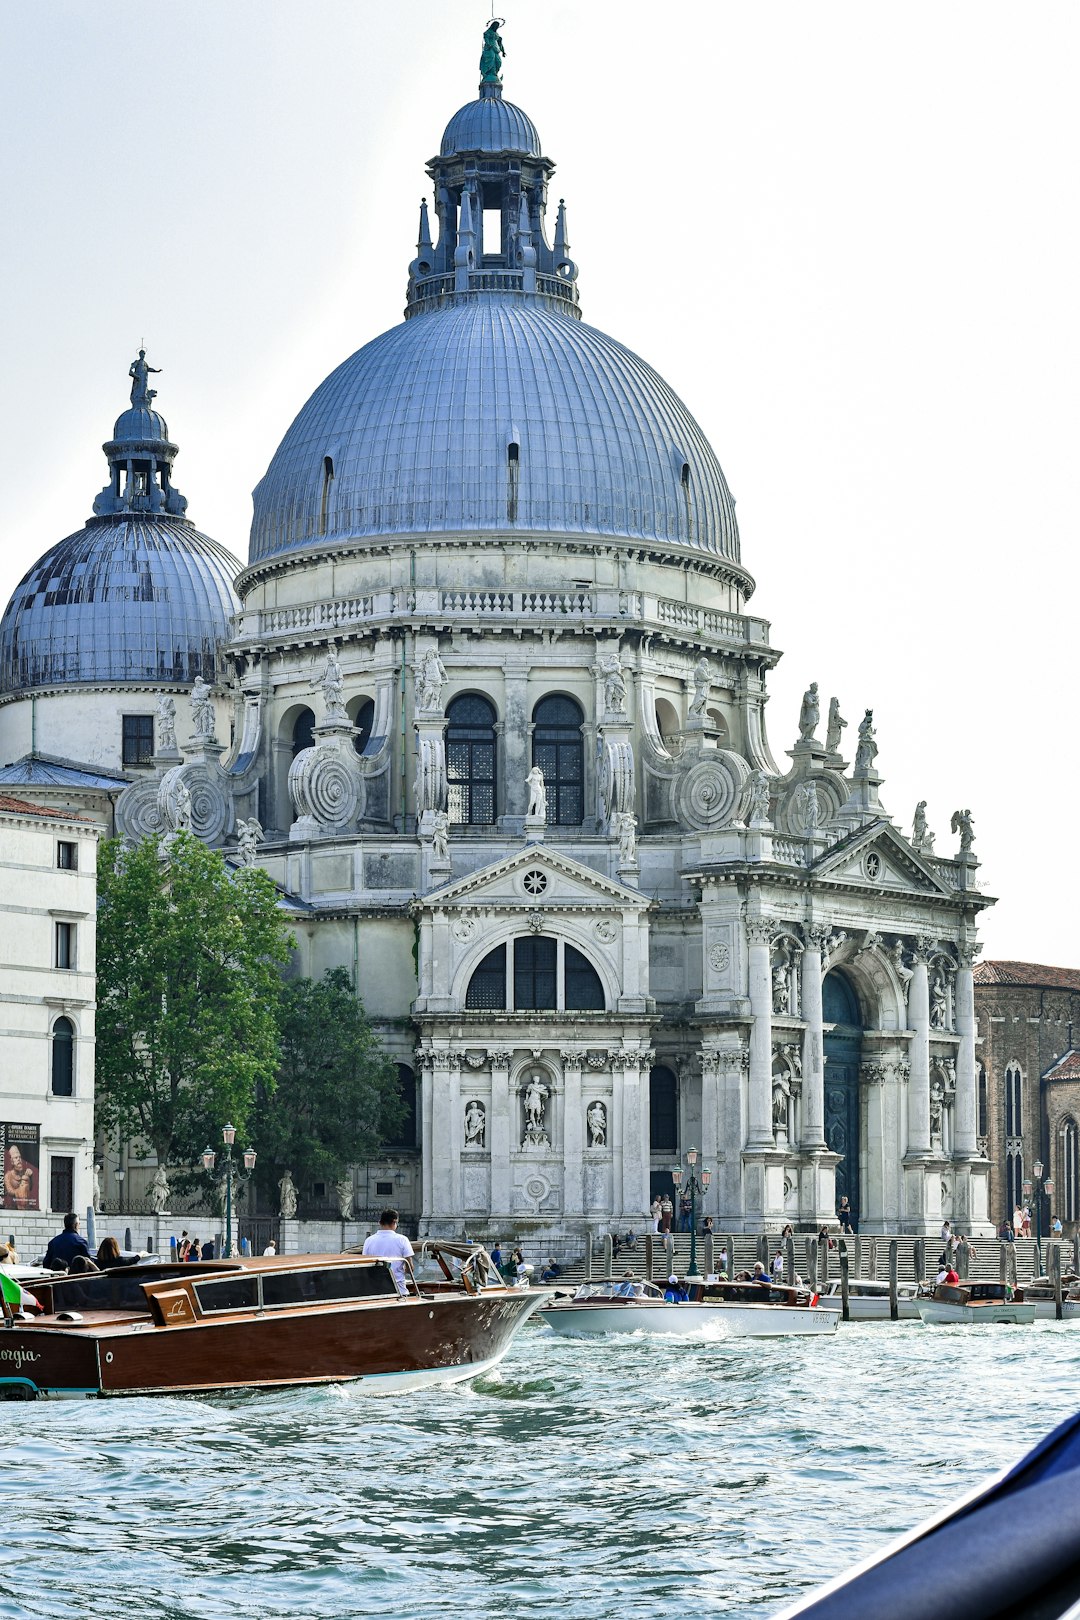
x,y
337,1097
188,956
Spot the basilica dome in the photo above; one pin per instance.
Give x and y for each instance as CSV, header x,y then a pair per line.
x,y
493,410
137,595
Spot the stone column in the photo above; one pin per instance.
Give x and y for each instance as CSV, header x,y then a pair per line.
x,y
446,1135
631,1196
758,934
427,1111
515,741
710,1123
501,1126
919,1019
813,1128
573,1133
964,1143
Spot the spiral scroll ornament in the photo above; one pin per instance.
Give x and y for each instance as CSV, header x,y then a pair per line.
x,y
710,794
137,813
325,787
209,811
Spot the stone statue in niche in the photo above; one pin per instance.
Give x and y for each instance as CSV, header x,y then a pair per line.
x,y
475,1124
157,1194
810,714
626,831
759,800
202,711
963,824
430,680
597,1122
610,667
440,836
534,1101
166,723
702,678
330,682
781,1094
248,834
781,983
937,1110
939,1000
836,726
287,1197
866,752
537,807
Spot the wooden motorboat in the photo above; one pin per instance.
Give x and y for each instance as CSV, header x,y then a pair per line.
x,y
975,1302
744,1309
1040,1293
868,1299
260,1323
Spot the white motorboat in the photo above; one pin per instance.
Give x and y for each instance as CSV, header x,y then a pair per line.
x,y
742,1309
979,1302
868,1299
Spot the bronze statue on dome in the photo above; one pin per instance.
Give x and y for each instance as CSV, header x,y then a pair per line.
x,y
139,372
491,57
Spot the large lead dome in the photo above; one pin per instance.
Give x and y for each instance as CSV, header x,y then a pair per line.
x,y
493,409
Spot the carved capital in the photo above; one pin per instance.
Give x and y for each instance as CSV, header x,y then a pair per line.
x,y
424,1059
573,1057
736,1057
759,930
499,1057
710,1065
923,948
817,936
872,1074
967,951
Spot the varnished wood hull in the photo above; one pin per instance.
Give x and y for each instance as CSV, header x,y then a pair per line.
x,y
399,1344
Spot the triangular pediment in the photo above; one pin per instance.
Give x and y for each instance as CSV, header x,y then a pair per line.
x,y
878,857
535,877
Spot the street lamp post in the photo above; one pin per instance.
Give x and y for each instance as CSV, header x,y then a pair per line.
x,y
1037,1187
228,1136
694,1186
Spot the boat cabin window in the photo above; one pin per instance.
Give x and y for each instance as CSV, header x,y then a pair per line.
x,y
236,1293
87,1292
326,1283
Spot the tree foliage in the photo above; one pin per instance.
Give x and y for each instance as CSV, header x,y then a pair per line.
x,y
188,954
337,1098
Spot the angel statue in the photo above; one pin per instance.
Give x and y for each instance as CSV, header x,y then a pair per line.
x,y
963,824
248,834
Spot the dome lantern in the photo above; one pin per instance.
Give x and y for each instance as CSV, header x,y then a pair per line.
x,y
140,454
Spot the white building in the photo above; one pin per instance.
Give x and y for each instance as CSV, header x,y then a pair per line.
x,y
48,899
499,724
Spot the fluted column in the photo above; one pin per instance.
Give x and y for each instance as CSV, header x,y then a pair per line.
x,y
500,1129
964,1142
919,1019
446,1134
760,1133
813,1131
573,1133
424,1076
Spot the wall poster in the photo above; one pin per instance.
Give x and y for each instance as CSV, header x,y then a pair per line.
x,y
22,1161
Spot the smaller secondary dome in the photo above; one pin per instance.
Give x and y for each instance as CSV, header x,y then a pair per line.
x,y
139,425
490,124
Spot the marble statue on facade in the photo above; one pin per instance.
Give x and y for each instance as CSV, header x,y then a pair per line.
x,y
140,372
537,807
440,835
610,667
344,1191
430,679
287,1199
758,815
781,1094
781,987
331,683
903,972
702,678
182,807
596,1118
166,724
157,1194
535,1100
939,1000
937,1111
202,711
866,752
248,835
95,1197
626,831
835,726
921,836
809,807
963,823
491,57
809,714
475,1125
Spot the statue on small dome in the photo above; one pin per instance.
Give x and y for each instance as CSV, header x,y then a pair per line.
x,y
491,57
142,397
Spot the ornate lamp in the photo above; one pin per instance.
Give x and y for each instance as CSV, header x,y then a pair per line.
x,y
228,1134
209,1158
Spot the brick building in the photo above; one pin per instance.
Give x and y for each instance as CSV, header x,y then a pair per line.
x,y
1028,1018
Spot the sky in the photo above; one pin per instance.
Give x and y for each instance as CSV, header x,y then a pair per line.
x,y
846,234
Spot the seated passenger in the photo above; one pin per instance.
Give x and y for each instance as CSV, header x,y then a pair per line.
x,y
626,1289
66,1245
760,1275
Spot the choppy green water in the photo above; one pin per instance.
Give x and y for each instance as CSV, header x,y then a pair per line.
x,y
615,1477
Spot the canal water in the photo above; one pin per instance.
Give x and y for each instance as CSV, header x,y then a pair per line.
x,y
616,1477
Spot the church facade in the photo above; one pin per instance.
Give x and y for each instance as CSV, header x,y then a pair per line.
x,y
491,712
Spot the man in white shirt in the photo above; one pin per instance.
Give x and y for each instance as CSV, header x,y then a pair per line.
x,y
389,1244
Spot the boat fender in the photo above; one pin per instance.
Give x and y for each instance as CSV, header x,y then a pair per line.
x,y
68,1316
814,1299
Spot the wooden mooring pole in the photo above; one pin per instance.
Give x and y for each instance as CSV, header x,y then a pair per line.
x,y
1055,1275
894,1297
919,1256
844,1311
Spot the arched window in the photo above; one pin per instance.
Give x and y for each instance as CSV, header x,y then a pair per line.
x,y
513,473
560,754
405,1136
1014,1117
327,486
982,1106
547,976
669,726
584,992
487,987
63,1058
535,973
663,1111
363,718
1014,1179
1070,1172
303,731
470,760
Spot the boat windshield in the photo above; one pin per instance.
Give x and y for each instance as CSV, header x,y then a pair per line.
x,y
629,1288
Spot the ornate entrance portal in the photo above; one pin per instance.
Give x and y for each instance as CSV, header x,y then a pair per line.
x,y
843,1046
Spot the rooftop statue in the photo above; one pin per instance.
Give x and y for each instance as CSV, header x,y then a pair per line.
x,y
494,50
139,372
